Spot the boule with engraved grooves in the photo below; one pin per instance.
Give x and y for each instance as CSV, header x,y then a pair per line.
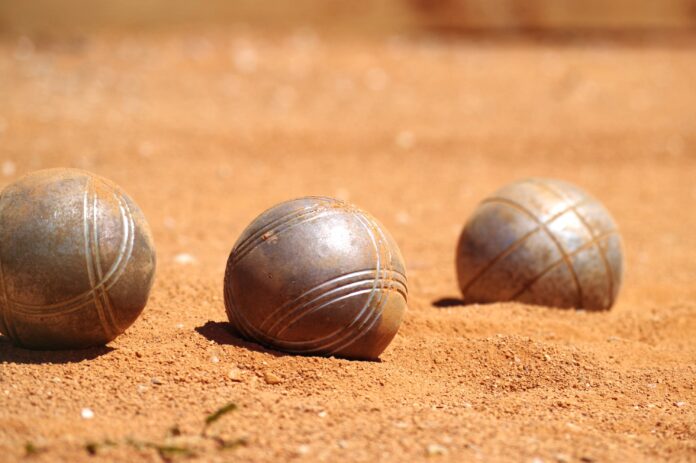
x,y
541,241
316,276
76,260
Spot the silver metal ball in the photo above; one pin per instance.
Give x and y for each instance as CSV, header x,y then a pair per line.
x,y
541,241
316,276
76,260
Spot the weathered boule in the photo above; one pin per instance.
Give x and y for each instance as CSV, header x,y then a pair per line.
x,y
316,276
541,241
76,260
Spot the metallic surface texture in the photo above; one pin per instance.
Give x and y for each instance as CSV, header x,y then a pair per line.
x,y
76,260
316,276
541,241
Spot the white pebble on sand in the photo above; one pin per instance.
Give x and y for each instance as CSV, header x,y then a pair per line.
x,y
9,168
435,449
245,59
87,414
405,139
184,259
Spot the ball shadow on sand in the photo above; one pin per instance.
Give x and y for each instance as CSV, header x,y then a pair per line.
x,y
447,302
12,354
223,333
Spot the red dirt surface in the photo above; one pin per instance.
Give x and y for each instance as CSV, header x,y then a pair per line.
x,y
206,130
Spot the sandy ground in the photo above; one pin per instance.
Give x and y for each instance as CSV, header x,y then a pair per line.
x,y
206,130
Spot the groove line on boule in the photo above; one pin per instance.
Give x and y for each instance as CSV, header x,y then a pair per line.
x,y
89,259
112,277
356,329
514,246
310,346
590,230
553,238
345,280
377,311
558,262
253,238
318,302
298,220
7,316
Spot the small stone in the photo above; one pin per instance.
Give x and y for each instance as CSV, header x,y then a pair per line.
x,y
405,140
342,444
322,414
303,449
433,450
680,404
562,458
9,168
169,223
56,379
141,388
245,59
184,259
215,359
547,357
403,217
156,381
86,413
272,378
235,374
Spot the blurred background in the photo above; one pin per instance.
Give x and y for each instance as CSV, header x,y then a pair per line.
x,y
375,15
412,109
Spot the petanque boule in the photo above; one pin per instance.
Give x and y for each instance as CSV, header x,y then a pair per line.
x,y
316,276
77,260
541,241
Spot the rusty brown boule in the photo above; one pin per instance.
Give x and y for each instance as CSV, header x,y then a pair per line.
x,y
541,241
76,260
316,276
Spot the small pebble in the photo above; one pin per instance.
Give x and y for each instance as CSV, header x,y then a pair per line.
x,y
405,140
403,218
87,414
680,404
245,59
272,378
235,375
8,168
156,381
303,449
435,450
184,259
